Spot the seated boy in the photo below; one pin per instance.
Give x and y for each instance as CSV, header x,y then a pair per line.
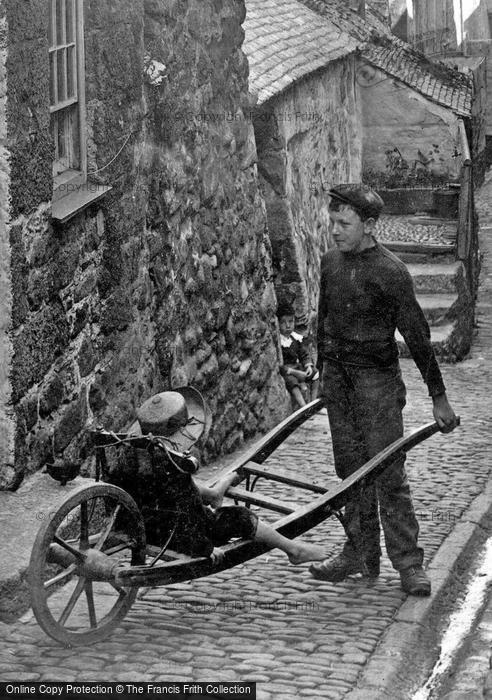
x,y
175,507
297,367
226,522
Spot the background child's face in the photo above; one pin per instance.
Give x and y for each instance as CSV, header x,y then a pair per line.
x,y
286,324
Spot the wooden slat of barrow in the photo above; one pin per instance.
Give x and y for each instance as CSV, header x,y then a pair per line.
x,y
170,554
256,470
259,500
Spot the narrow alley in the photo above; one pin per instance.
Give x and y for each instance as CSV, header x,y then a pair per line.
x,y
164,179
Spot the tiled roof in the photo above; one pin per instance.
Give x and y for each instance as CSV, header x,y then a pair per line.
x,y
433,79
284,41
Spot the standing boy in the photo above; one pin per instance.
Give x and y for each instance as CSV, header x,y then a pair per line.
x,y
366,293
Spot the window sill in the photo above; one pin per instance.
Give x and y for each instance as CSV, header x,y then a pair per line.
x,y
77,198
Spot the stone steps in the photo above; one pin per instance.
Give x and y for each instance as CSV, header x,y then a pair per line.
x,y
440,336
438,308
441,289
420,248
422,253
436,277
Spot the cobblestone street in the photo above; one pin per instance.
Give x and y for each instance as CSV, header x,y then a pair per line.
x,y
267,621
413,230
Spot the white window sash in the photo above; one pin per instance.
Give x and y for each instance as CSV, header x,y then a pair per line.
x,y
63,174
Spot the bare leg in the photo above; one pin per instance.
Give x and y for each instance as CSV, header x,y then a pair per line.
x,y
298,552
214,496
298,397
314,389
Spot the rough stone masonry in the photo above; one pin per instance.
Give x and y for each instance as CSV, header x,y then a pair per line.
x,y
167,279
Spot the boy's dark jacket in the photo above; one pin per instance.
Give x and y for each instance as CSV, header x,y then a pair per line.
x,y
364,298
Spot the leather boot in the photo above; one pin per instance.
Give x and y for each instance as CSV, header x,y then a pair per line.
x,y
341,566
415,581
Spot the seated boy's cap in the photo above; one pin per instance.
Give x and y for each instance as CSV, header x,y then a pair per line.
x,y
361,197
180,416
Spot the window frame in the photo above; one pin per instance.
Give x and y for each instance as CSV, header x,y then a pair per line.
x,y
71,176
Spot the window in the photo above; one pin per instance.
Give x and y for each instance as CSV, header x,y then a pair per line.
x,y
67,100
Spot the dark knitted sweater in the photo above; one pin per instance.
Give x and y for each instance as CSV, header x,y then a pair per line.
x,y
364,297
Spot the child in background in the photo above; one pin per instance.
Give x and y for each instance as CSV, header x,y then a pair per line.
x,y
297,366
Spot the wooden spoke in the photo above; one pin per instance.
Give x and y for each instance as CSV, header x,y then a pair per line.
x,y
76,553
89,593
120,547
59,578
108,528
84,526
79,587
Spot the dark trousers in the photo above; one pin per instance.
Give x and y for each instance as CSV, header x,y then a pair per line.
x,y
365,413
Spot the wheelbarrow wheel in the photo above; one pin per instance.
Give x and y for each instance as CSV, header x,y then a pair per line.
x,y
75,597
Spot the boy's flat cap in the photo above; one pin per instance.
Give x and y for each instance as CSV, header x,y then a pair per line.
x,y
360,197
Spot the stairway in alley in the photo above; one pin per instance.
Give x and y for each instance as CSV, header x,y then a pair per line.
x,y
426,246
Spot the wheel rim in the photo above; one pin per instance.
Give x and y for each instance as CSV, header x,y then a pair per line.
x,y
72,602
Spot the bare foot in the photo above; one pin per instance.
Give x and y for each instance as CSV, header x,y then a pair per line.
x,y
232,480
217,556
304,552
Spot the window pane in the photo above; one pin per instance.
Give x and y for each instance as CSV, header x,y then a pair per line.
x,y
53,91
61,56
71,72
65,129
62,137
60,22
74,137
54,131
70,21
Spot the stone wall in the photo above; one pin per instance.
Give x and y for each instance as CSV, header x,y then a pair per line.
x,y
74,315
7,423
167,280
308,139
206,221
408,140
